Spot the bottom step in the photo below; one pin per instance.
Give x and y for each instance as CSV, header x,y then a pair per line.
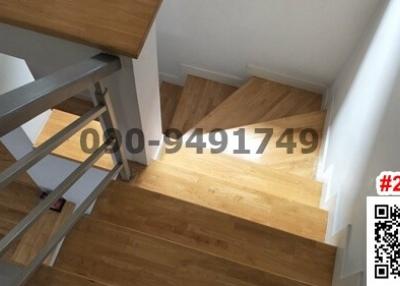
x,y
114,255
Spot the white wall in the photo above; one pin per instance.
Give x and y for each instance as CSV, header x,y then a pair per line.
x,y
147,86
14,72
364,103
306,40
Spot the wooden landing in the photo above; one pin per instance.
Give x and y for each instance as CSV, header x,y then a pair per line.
x,y
199,97
119,27
260,100
71,149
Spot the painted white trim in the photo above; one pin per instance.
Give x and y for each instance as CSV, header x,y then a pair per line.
x,y
53,256
305,84
171,78
213,75
34,127
160,149
352,280
237,81
331,237
339,278
328,104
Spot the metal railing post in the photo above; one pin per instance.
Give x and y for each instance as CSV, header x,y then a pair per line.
x,y
109,122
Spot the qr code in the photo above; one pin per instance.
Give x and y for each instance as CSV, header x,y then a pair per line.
x,y
383,241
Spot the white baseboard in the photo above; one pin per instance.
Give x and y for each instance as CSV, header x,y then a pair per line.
x,y
53,256
160,149
213,75
322,168
234,80
171,78
352,280
341,276
305,84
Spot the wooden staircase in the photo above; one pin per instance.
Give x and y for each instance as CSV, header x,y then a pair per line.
x,y
209,219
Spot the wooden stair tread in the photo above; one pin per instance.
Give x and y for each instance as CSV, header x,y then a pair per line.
x,y
244,202
120,27
298,163
71,149
260,100
170,95
249,175
222,235
51,276
199,97
119,256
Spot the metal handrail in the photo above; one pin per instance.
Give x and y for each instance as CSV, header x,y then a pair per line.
x,y
32,100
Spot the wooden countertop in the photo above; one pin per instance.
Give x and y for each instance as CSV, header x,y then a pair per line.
x,y
118,26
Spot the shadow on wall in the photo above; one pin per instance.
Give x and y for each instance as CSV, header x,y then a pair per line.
x,y
364,133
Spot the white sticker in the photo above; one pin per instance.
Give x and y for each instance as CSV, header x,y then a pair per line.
x,y
383,241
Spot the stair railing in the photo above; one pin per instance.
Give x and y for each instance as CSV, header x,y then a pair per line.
x,y
25,103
